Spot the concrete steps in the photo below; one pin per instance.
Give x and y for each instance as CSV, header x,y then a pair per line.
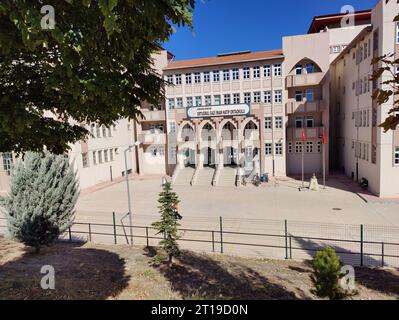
x,y
227,177
184,177
205,176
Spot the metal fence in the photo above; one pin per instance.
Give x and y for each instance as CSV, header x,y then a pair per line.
x,y
363,245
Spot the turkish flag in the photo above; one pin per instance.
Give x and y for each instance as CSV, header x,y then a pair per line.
x,y
324,136
303,135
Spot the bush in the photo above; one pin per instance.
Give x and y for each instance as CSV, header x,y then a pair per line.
x,y
40,204
327,274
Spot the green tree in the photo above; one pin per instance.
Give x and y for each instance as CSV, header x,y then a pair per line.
x,y
386,73
94,66
168,225
40,204
327,274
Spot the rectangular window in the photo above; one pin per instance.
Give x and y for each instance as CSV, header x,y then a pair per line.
x,y
397,33
226,75
100,156
396,155
198,101
170,78
94,158
309,147
172,127
267,98
236,74
179,102
366,50
298,122
298,96
217,100
277,70
279,149
171,103
197,77
267,71
268,122
268,149
278,122
309,122
189,102
7,162
289,147
247,97
105,155
207,76
256,72
178,79
298,69
298,147
216,76
208,100
257,97
104,130
98,131
111,154
161,150
246,73
319,144
278,96
309,68
309,95
236,98
189,78
227,99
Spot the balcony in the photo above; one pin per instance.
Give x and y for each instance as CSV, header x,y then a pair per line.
x,y
152,138
310,133
304,106
156,115
304,80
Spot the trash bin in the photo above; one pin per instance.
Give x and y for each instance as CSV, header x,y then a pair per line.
x,y
264,178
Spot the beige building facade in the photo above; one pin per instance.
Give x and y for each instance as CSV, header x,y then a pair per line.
x,y
228,118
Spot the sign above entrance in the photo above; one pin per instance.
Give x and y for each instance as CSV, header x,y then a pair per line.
x,y
218,111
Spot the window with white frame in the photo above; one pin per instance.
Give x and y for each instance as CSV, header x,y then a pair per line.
x,y
397,33
257,97
268,149
100,156
268,122
246,73
104,131
226,75
309,147
111,154
7,162
267,71
309,121
197,77
277,70
208,100
256,72
309,95
279,148
94,157
396,156
189,78
278,96
227,99
207,76
171,103
267,97
170,78
278,122
198,101
98,131
298,147
178,79
298,69
236,74
106,155
179,102
92,130
298,122
161,150
216,76
189,102
172,127
298,96
236,98
217,100
247,97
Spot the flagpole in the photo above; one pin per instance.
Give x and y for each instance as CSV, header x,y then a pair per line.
x,y
303,157
324,166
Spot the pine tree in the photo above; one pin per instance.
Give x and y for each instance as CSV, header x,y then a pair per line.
x,y
40,204
168,225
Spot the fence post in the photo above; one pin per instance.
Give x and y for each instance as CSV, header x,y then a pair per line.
x,y
383,254
290,247
70,234
114,225
361,245
286,238
146,235
221,234
89,232
213,241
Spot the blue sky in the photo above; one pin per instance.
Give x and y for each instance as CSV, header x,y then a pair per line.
x,y
234,25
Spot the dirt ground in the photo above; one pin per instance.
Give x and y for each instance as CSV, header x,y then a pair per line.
x,y
88,271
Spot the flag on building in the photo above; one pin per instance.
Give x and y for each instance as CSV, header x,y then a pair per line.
x,y
324,136
303,135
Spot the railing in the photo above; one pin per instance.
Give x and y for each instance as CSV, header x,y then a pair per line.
x,y
283,242
304,106
307,79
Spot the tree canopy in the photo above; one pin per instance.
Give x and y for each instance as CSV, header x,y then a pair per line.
x,y
95,65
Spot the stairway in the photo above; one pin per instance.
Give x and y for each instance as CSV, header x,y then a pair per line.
x,y
184,176
227,177
205,176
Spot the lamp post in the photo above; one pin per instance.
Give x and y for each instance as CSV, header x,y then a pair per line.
x,y
128,189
